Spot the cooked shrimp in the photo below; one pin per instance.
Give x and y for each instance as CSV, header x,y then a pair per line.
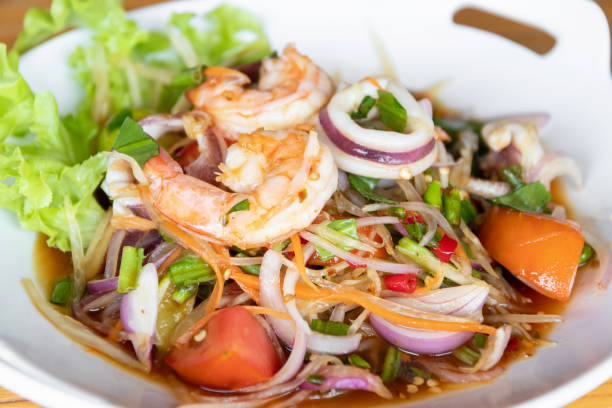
x,y
286,176
291,90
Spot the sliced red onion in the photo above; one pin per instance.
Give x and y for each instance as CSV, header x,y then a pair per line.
x,y
447,372
553,165
383,157
159,124
161,253
271,296
113,254
99,300
341,377
139,313
211,145
102,285
401,229
374,263
466,301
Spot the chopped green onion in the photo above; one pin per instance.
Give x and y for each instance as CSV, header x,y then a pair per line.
x,y
204,291
391,113
466,355
433,194
417,230
281,246
131,263
468,212
476,274
365,186
424,257
190,270
134,142
480,340
420,373
362,111
512,175
357,361
241,206
392,364
315,379
189,78
587,254
182,293
398,212
62,292
333,328
252,269
454,126
452,206
530,197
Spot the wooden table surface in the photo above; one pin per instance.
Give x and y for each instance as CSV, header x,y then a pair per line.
x,y
11,16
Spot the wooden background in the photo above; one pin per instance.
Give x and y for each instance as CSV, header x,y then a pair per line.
x,y
11,16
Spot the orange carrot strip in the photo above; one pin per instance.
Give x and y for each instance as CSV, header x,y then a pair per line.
x,y
352,296
299,259
132,222
373,81
268,311
113,334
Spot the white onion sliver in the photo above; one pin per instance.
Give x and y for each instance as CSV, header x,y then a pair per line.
x,y
377,264
365,221
256,260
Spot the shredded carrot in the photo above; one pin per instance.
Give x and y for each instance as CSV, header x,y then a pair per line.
x,y
353,296
268,311
113,334
299,259
431,282
373,81
132,222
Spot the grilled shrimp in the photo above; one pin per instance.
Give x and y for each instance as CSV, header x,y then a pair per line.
x,y
290,91
286,176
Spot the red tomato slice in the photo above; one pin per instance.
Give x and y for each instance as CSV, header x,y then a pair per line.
x,y
235,353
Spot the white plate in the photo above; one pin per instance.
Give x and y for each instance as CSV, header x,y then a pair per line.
x,y
486,74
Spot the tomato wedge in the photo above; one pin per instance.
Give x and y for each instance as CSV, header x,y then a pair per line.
x,y
541,251
235,353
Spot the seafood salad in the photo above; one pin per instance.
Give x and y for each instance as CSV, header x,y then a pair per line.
x,y
257,233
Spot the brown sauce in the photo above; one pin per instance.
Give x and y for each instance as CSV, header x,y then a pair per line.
x,y
52,265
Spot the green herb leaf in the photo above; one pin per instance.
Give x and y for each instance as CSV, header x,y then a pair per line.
x,y
244,205
512,175
391,113
454,126
420,373
365,185
531,197
62,292
134,142
367,103
324,254
131,264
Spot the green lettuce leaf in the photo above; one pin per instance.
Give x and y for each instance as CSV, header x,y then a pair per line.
x,y
44,158
230,36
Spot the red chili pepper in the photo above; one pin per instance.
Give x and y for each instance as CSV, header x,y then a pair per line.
x,y
406,283
445,249
411,219
513,344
